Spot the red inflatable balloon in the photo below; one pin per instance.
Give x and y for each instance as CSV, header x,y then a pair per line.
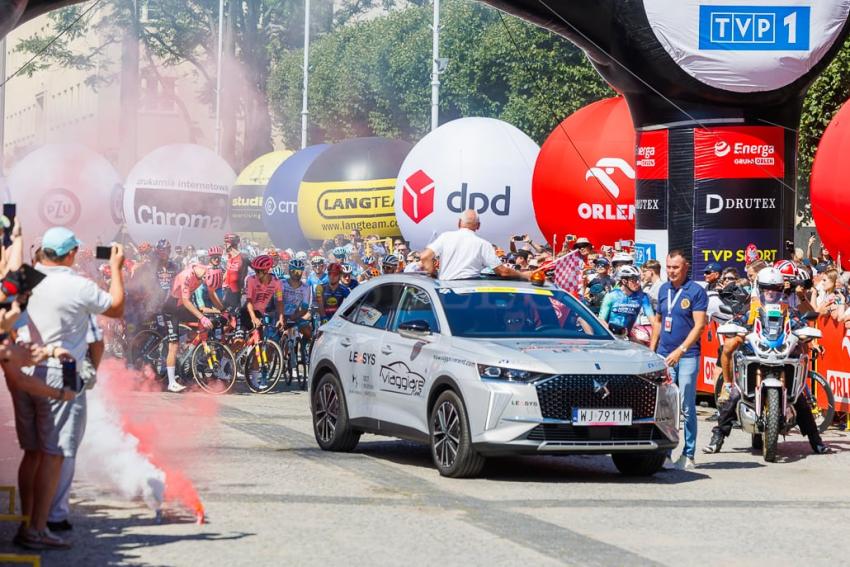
x,y
828,187
584,183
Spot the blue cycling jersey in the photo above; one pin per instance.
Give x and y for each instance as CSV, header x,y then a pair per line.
x,y
621,311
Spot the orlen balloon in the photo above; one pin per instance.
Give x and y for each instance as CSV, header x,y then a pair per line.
x,y
66,185
470,163
179,192
584,179
828,187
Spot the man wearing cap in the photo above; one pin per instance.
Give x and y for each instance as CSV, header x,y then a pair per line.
x,y
522,260
60,314
712,273
463,254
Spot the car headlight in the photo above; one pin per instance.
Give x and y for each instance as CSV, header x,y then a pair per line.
x,y
659,376
489,372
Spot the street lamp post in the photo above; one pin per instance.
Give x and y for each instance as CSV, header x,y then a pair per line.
x,y
435,68
306,72
218,77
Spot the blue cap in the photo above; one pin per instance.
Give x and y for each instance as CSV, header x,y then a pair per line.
x,y
59,239
712,267
602,261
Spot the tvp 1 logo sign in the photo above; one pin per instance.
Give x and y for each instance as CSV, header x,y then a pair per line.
x,y
179,192
471,163
66,185
747,46
584,179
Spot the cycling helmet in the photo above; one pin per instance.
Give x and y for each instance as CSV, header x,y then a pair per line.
x,y
787,268
317,261
340,252
213,279
215,251
622,258
296,265
627,271
262,262
368,259
284,255
231,239
334,268
770,279
163,245
301,256
144,248
346,269
390,260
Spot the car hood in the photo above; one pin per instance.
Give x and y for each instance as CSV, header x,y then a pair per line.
x,y
562,356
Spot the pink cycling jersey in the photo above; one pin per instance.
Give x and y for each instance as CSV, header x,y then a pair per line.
x,y
260,294
185,284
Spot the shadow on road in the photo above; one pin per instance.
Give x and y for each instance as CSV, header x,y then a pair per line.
x,y
101,538
544,469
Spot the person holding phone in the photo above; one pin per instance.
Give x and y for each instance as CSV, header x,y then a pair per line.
x,y
50,429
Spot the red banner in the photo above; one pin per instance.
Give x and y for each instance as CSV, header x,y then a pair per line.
x,y
652,155
835,363
739,152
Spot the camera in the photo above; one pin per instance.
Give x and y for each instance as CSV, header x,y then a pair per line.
x,y
797,282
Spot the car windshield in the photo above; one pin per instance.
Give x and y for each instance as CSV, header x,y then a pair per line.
x,y
506,312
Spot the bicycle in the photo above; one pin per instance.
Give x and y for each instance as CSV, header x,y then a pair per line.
x,y
296,355
820,392
261,359
212,363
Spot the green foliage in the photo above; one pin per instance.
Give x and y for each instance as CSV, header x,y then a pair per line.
x,y
373,77
823,100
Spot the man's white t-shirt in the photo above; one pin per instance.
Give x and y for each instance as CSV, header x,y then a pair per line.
x,y
463,254
61,307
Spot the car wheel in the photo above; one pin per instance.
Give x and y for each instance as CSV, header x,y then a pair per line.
x,y
330,417
641,464
451,443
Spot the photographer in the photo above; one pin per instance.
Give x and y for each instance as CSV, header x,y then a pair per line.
x,y
49,428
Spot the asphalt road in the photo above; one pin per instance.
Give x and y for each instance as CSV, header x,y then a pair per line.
x,y
273,498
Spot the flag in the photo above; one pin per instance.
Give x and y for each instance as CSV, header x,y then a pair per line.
x,y
568,272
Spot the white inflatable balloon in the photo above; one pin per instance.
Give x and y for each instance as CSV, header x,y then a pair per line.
x,y
470,163
179,192
66,185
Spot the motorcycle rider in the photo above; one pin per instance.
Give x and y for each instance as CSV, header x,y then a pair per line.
x,y
771,290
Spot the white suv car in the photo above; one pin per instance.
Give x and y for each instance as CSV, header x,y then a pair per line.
x,y
487,367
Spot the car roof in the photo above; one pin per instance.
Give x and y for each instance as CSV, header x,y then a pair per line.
x,y
427,281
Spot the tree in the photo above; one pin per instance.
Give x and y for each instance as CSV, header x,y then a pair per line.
x,y
373,77
823,100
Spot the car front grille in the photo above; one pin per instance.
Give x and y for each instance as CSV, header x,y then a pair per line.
x,y
560,394
567,433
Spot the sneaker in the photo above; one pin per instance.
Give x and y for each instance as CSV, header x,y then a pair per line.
x,y
38,540
715,444
63,526
669,464
685,463
176,388
821,449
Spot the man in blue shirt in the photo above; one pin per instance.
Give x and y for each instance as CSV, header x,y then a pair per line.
x,y
680,319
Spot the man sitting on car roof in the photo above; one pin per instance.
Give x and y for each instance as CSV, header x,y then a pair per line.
x,y
463,254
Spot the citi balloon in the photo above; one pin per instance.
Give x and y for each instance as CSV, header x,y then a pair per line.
x,y
179,192
246,197
584,179
470,163
66,185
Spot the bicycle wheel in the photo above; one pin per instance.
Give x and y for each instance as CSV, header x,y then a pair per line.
x,y
822,401
289,359
263,366
214,367
146,353
303,361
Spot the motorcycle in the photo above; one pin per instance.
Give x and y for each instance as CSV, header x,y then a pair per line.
x,y
770,371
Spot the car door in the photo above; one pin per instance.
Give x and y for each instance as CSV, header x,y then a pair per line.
x,y
367,321
406,360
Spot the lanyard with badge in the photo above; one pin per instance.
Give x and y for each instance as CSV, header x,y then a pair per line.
x,y
671,303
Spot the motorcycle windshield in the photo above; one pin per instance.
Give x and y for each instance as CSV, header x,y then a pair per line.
x,y
773,324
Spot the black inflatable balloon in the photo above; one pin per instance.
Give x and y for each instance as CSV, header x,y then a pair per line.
x,y
715,92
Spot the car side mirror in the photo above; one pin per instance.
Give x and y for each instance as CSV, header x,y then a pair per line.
x,y
725,309
415,329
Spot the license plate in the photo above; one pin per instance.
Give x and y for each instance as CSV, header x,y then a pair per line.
x,y
591,417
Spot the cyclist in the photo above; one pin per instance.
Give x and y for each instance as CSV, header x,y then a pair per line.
x,y
234,277
318,276
166,269
340,254
180,309
622,306
347,277
771,289
296,299
214,255
281,270
263,291
389,265
370,268
329,296
211,285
